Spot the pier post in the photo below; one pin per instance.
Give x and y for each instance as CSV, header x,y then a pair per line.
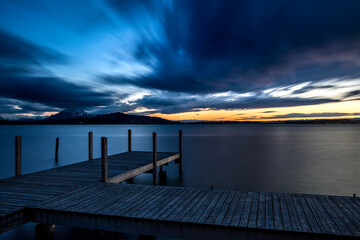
x,y
180,151
17,155
146,237
162,176
57,150
107,235
129,140
154,159
44,231
90,145
104,166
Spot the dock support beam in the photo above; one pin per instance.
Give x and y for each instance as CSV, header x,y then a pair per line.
x,y
106,235
104,166
162,176
147,237
44,231
154,159
57,150
91,145
18,156
180,151
129,140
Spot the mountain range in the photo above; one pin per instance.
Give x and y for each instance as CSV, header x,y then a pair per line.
x,y
79,116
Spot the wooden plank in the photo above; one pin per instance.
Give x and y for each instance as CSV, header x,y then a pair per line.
x,y
296,225
340,212
85,200
102,199
70,196
117,207
285,214
235,221
315,228
216,212
305,226
318,216
169,201
141,203
326,216
269,224
349,215
351,205
225,208
232,210
199,204
210,207
120,194
156,204
244,220
203,207
174,206
190,206
278,223
254,211
343,226
261,219
182,205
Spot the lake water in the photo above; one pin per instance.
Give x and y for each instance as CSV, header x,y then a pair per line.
x,y
319,159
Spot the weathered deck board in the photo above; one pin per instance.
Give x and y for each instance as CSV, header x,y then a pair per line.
x,y
19,192
200,207
72,195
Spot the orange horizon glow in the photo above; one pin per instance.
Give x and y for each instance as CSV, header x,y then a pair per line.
x,y
349,109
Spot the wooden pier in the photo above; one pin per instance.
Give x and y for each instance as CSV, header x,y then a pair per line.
x,y
90,194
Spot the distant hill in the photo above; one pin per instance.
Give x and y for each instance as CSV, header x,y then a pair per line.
x,y
69,114
78,116
119,118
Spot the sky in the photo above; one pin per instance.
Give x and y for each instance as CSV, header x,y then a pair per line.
x,y
182,59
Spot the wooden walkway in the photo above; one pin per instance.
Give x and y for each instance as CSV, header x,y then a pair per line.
x,y
17,193
155,209
74,195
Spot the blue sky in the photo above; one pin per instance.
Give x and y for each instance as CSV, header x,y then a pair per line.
x,y
180,57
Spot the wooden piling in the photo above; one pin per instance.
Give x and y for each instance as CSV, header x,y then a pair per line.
x,y
90,145
162,177
57,150
154,159
104,166
180,151
146,237
44,231
129,140
18,155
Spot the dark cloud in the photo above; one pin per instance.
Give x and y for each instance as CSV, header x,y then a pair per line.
x,y
185,51
24,78
51,91
13,106
248,45
18,50
355,93
175,103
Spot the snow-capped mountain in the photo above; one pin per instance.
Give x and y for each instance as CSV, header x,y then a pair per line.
x,y
69,113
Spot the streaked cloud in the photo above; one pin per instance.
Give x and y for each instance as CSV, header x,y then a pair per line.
x,y
171,57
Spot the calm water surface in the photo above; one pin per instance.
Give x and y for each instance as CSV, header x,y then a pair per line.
x,y
320,159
